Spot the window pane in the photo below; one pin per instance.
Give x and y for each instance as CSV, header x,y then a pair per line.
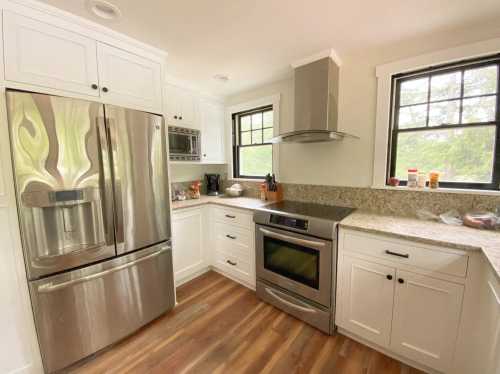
x,y
461,155
480,81
246,138
446,86
256,121
257,137
479,109
413,91
412,116
256,161
245,123
443,113
268,119
268,134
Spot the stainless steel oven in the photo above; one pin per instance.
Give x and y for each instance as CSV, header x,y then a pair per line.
x,y
299,263
184,144
296,257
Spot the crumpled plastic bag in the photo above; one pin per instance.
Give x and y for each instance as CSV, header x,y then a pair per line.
x,y
451,217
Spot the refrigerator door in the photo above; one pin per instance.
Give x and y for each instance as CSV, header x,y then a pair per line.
x,y
80,312
139,158
62,179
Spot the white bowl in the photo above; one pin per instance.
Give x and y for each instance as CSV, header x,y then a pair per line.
x,y
233,192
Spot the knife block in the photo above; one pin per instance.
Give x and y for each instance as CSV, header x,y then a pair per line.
x,y
275,195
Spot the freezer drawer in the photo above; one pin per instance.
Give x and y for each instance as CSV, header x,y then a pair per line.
x,y
83,311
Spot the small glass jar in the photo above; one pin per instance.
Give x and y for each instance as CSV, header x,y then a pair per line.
x,y
412,178
422,180
434,179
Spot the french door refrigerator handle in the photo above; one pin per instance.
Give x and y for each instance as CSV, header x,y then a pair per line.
x,y
106,184
290,304
291,239
50,287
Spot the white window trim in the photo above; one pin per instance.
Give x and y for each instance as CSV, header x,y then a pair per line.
x,y
273,100
384,75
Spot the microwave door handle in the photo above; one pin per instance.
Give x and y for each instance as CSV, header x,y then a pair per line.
x,y
291,239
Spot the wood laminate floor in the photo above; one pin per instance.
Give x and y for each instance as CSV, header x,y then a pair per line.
x,y
220,326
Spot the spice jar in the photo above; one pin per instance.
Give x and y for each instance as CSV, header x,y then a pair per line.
x,y
434,179
422,180
412,178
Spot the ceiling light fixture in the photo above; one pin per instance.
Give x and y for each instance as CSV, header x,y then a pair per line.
x,y
104,9
221,78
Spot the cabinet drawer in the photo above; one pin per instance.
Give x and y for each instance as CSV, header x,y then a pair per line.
x,y
233,240
233,216
452,262
233,265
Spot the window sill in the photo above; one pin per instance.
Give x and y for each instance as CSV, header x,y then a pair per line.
x,y
439,190
248,180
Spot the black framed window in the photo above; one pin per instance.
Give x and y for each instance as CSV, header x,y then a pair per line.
x,y
446,118
252,149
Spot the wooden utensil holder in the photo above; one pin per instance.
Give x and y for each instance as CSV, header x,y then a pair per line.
x,y
275,195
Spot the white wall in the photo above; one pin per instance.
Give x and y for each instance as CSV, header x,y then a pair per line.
x,y
188,173
349,162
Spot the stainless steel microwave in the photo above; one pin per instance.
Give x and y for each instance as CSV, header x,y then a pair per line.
x,y
184,144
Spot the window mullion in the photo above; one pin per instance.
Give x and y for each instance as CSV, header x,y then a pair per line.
x,y
428,100
461,105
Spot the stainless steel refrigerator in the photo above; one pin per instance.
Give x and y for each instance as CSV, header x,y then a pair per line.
x,y
93,203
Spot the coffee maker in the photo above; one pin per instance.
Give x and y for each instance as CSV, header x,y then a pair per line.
x,y
213,184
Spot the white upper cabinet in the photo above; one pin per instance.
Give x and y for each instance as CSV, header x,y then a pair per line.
x,y
129,80
181,107
426,318
212,132
44,55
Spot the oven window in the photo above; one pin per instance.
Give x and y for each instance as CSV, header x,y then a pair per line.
x,y
179,144
292,261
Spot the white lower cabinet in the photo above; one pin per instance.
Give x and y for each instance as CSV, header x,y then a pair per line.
x,y
426,319
412,312
366,300
188,244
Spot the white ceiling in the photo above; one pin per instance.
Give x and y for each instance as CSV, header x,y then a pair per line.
x,y
254,41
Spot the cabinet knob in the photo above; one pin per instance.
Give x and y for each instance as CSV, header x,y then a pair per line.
x,y
389,276
175,117
204,155
94,86
105,89
401,280
180,117
231,263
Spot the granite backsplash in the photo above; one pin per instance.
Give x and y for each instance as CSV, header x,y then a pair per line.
x,y
385,201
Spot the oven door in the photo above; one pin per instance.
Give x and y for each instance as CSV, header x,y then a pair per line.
x,y
298,263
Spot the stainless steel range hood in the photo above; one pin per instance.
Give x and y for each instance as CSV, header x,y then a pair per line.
x,y
316,104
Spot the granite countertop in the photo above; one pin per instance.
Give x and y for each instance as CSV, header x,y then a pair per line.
x,y
249,203
428,232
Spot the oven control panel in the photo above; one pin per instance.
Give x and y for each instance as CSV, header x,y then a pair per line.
x,y
294,223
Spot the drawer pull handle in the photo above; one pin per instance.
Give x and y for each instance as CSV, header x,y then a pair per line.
x,y
231,263
389,276
405,255
230,216
230,236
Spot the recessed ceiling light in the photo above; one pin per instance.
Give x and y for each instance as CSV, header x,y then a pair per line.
x,y
104,9
221,78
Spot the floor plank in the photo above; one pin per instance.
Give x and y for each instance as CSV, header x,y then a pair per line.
x,y
221,327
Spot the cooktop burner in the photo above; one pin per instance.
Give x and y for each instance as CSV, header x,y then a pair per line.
x,y
309,210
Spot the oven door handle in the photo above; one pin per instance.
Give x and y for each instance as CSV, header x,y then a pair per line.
x,y
291,239
290,304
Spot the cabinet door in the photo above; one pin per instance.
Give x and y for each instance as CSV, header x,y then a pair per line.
x,y
366,299
489,325
181,107
187,240
129,80
40,54
426,318
212,132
